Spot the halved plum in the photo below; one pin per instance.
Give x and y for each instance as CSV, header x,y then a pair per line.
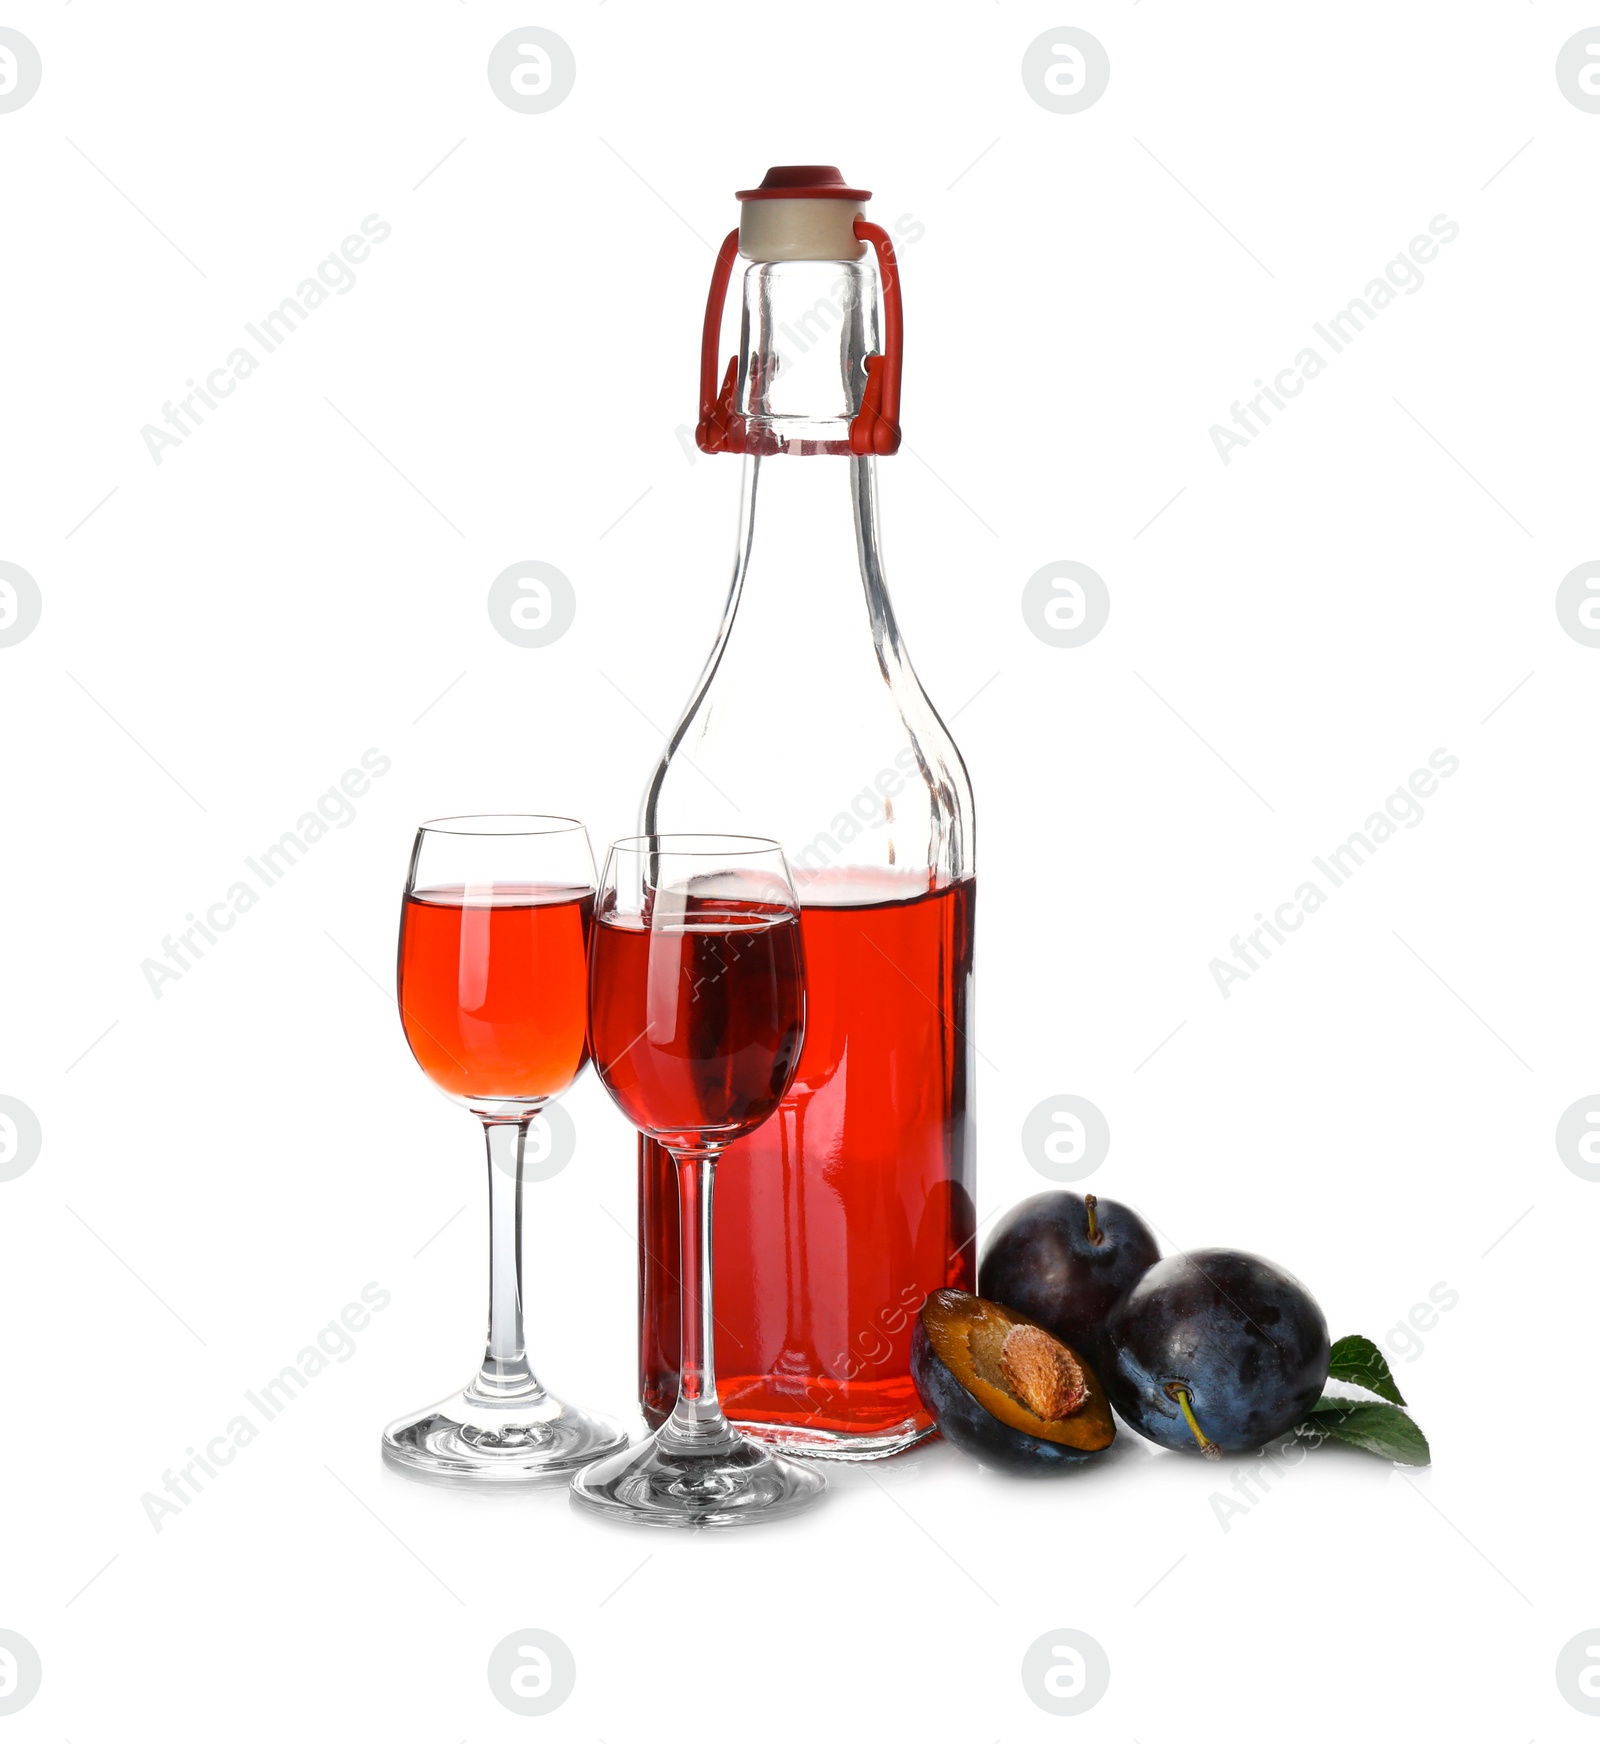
x,y
1004,1389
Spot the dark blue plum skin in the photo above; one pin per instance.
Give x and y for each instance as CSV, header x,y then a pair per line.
x,y
1240,1333
1040,1262
964,1421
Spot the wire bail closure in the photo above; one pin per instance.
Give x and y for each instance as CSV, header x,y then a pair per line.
x,y
875,429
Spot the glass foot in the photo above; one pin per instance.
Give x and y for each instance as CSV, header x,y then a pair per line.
x,y
519,1439
737,1484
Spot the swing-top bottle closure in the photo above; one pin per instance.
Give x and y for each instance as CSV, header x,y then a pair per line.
x,y
802,213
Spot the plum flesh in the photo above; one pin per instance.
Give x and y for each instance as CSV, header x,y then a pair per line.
x,y
1232,1336
1003,1389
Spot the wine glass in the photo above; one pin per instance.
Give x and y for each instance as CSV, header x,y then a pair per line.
x,y
493,977
696,1015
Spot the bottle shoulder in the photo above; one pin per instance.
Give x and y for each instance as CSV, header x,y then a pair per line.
x,y
862,775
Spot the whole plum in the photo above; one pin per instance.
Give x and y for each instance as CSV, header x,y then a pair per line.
x,y
1064,1259
1215,1350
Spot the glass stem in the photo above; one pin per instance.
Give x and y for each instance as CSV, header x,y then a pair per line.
x,y
697,1423
505,1372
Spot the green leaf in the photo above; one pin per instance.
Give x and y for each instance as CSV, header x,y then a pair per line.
x,y
1385,1430
1358,1361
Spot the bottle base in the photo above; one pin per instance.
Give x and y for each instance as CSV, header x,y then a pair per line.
x,y
834,1444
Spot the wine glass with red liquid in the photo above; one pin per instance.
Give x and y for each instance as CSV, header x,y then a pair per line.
x,y
697,1010
494,935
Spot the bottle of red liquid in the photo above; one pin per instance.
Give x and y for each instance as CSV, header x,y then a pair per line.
x,y
808,725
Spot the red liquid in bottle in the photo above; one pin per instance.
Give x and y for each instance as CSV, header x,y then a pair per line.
x,y
494,987
695,1026
821,1266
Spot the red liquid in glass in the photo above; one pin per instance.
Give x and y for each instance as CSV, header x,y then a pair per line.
x,y
837,1217
494,990
695,1026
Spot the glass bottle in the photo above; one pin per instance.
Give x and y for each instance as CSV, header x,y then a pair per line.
x,y
809,725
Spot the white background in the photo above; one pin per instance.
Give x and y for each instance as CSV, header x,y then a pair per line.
x,y
306,576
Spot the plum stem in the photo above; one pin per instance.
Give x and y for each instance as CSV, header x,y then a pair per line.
x,y
1206,1445
1089,1203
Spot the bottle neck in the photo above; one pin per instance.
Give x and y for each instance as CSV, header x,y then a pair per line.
x,y
810,568
807,331
808,536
